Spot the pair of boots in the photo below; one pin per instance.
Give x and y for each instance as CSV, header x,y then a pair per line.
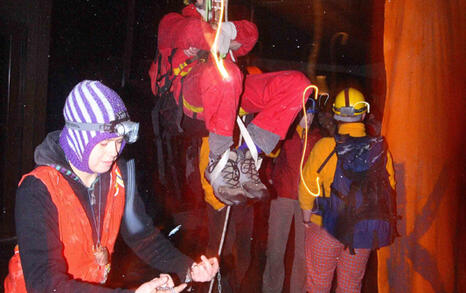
x,y
239,179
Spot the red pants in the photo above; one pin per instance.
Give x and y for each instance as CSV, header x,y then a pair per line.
x,y
275,96
324,254
211,98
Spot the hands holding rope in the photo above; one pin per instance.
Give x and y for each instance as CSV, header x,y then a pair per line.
x,y
161,284
202,271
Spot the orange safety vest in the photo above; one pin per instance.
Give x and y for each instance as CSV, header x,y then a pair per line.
x,y
75,229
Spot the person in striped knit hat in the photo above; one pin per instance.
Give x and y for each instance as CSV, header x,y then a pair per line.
x,y
72,206
93,112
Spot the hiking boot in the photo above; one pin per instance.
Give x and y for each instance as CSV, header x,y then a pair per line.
x,y
249,177
225,183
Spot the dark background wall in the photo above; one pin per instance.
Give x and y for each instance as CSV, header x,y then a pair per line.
x,y
48,46
24,47
25,36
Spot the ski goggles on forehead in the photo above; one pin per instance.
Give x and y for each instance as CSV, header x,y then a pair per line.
x,y
121,126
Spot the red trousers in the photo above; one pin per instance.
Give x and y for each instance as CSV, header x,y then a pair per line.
x,y
276,97
324,254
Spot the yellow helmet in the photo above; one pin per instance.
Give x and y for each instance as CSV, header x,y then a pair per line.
x,y
350,105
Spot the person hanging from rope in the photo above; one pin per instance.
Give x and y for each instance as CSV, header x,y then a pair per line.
x,y
184,66
71,207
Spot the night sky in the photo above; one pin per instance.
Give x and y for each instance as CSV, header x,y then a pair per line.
x,y
87,42
88,39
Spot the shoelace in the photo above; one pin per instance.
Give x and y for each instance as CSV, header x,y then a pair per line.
x,y
249,167
231,173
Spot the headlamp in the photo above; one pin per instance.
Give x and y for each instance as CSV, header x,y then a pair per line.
x,y
121,126
128,129
347,111
351,110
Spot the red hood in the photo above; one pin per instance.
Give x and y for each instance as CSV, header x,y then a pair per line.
x,y
190,11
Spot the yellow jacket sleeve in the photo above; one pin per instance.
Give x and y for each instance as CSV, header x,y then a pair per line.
x,y
390,170
307,184
209,196
317,184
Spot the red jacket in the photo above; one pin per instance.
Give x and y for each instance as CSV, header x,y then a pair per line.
x,y
285,174
75,229
182,31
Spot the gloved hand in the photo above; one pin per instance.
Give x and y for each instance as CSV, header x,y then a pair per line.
x,y
191,52
227,33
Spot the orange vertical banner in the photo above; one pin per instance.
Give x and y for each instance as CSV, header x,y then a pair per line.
x,y
424,126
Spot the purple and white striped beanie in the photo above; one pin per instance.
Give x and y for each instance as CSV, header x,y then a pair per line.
x,y
89,102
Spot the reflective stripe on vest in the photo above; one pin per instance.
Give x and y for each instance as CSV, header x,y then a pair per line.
x,y
195,109
192,108
179,70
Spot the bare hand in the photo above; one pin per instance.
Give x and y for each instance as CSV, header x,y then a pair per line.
x,y
307,215
191,52
164,283
234,45
307,218
205,270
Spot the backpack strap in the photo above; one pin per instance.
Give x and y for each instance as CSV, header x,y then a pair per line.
x,y
158,61
155,114
323,165
326,160
168,82
179,112
338,139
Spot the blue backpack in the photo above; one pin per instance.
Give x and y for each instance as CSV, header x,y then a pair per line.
x,y
361,209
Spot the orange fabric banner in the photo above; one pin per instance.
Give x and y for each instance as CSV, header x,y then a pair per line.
x,y
424,125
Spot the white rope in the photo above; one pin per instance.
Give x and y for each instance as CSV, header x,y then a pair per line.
x,y
220,247
249,142
220,166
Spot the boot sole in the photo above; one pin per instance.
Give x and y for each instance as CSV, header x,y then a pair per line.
x,y
257,194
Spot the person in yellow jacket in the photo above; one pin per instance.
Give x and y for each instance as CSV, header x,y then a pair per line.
x,y
324,253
